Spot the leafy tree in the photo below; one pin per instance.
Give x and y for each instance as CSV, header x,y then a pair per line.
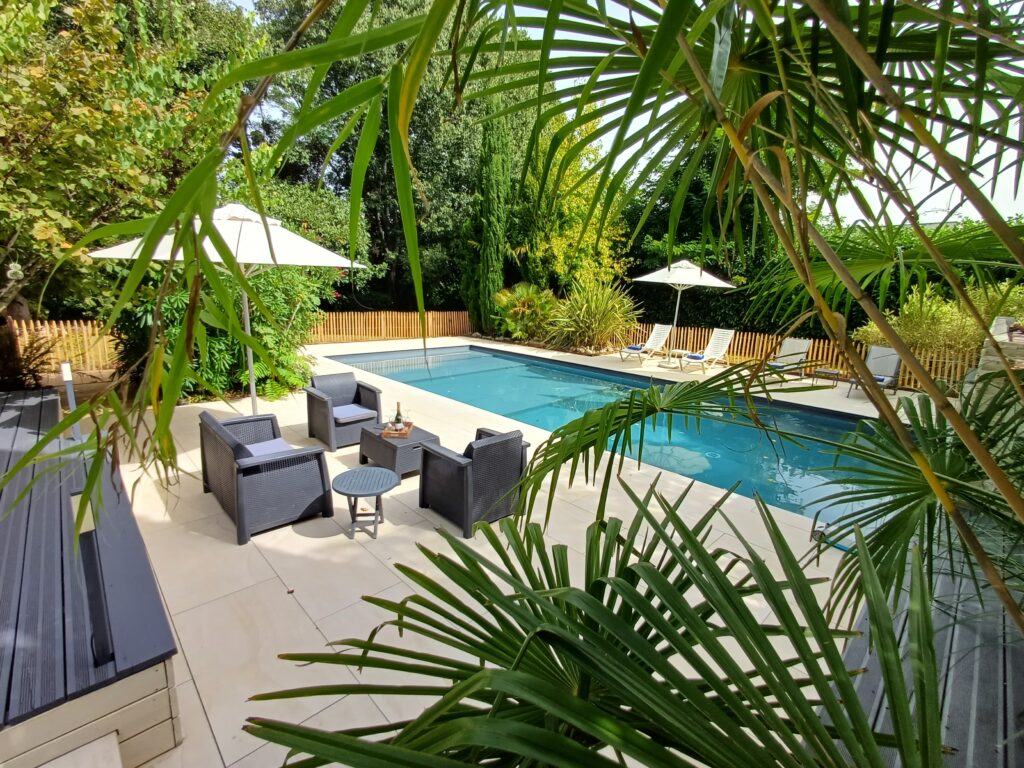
x,y
548,233
95,127
445,144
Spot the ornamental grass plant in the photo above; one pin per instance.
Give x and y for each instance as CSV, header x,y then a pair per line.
x,y
593,318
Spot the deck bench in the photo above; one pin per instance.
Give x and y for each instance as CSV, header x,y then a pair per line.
x,y
85,643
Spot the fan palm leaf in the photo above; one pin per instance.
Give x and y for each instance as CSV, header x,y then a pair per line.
x,y
649,652
898,509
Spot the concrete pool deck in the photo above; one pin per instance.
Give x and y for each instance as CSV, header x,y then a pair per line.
x,y
234,608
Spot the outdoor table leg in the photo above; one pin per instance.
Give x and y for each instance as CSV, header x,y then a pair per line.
x,y
353,512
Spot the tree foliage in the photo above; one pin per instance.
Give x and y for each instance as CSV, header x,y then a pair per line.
x,y
548,237
95,126
484,271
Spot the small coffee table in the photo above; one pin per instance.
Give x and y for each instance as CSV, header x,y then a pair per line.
x,y
828,374
362,482
401,455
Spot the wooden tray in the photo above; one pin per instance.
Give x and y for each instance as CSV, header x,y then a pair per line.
x,y
392,432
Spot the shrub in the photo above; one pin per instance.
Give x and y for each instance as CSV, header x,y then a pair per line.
x,y
22,365
1005,299
930,321
292,296
524,311
593,317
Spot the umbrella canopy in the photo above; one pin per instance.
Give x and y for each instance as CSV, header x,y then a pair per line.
x,y
243,231
681,275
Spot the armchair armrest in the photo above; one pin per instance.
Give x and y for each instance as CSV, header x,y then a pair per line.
x,y
318,394
446,454
250,462
368,396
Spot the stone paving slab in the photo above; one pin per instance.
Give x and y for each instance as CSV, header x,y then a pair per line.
x,y
297,588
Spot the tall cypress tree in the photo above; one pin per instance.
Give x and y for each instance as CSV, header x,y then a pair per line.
x,y
495,198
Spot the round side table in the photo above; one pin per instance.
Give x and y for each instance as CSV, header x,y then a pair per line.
x,y
361,483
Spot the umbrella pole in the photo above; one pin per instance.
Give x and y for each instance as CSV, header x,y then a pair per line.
x,y
248,351
675,317
667,362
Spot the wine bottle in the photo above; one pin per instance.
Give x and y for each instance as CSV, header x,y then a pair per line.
x,y
397,421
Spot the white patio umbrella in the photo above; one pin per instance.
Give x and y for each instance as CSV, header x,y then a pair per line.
x,y
242,229
681,275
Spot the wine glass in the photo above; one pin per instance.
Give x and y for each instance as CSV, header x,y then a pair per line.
x,y
406,419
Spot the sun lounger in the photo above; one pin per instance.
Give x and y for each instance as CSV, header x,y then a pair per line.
x,y
713,353
791,357
649,348
884,364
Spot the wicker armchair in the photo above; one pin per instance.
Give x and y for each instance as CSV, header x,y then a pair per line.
x,y
338,407
260,480
476,485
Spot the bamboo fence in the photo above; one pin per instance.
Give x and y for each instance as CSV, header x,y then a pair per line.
x,y
80,342
83,343
949,366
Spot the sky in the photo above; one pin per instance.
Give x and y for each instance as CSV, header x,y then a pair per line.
x,y
1007,201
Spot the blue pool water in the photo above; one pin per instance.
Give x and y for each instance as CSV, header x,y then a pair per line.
x,y
548,395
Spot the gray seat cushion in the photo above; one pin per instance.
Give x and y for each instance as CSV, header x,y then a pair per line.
x,y
346,414
266,447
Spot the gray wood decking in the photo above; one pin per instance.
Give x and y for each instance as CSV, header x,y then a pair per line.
x,y
981,670
48,606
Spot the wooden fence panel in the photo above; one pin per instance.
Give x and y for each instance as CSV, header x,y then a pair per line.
x,y
370,326
945,365
83,344
80,342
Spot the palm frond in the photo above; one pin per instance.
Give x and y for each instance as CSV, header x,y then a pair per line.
x,y
651,653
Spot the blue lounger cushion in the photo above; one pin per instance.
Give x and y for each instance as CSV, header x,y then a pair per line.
x,y
346,414
267,447
694,356
635,347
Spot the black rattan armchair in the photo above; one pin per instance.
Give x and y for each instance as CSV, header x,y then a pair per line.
x,y
260,480
476,485
338,407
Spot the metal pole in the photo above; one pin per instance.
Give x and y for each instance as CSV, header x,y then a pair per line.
x,y
667,362
675,317
248,351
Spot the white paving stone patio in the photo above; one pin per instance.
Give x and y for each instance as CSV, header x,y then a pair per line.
x,y
234,608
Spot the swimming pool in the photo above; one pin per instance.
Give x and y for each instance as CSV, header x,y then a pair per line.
x,y
549,394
